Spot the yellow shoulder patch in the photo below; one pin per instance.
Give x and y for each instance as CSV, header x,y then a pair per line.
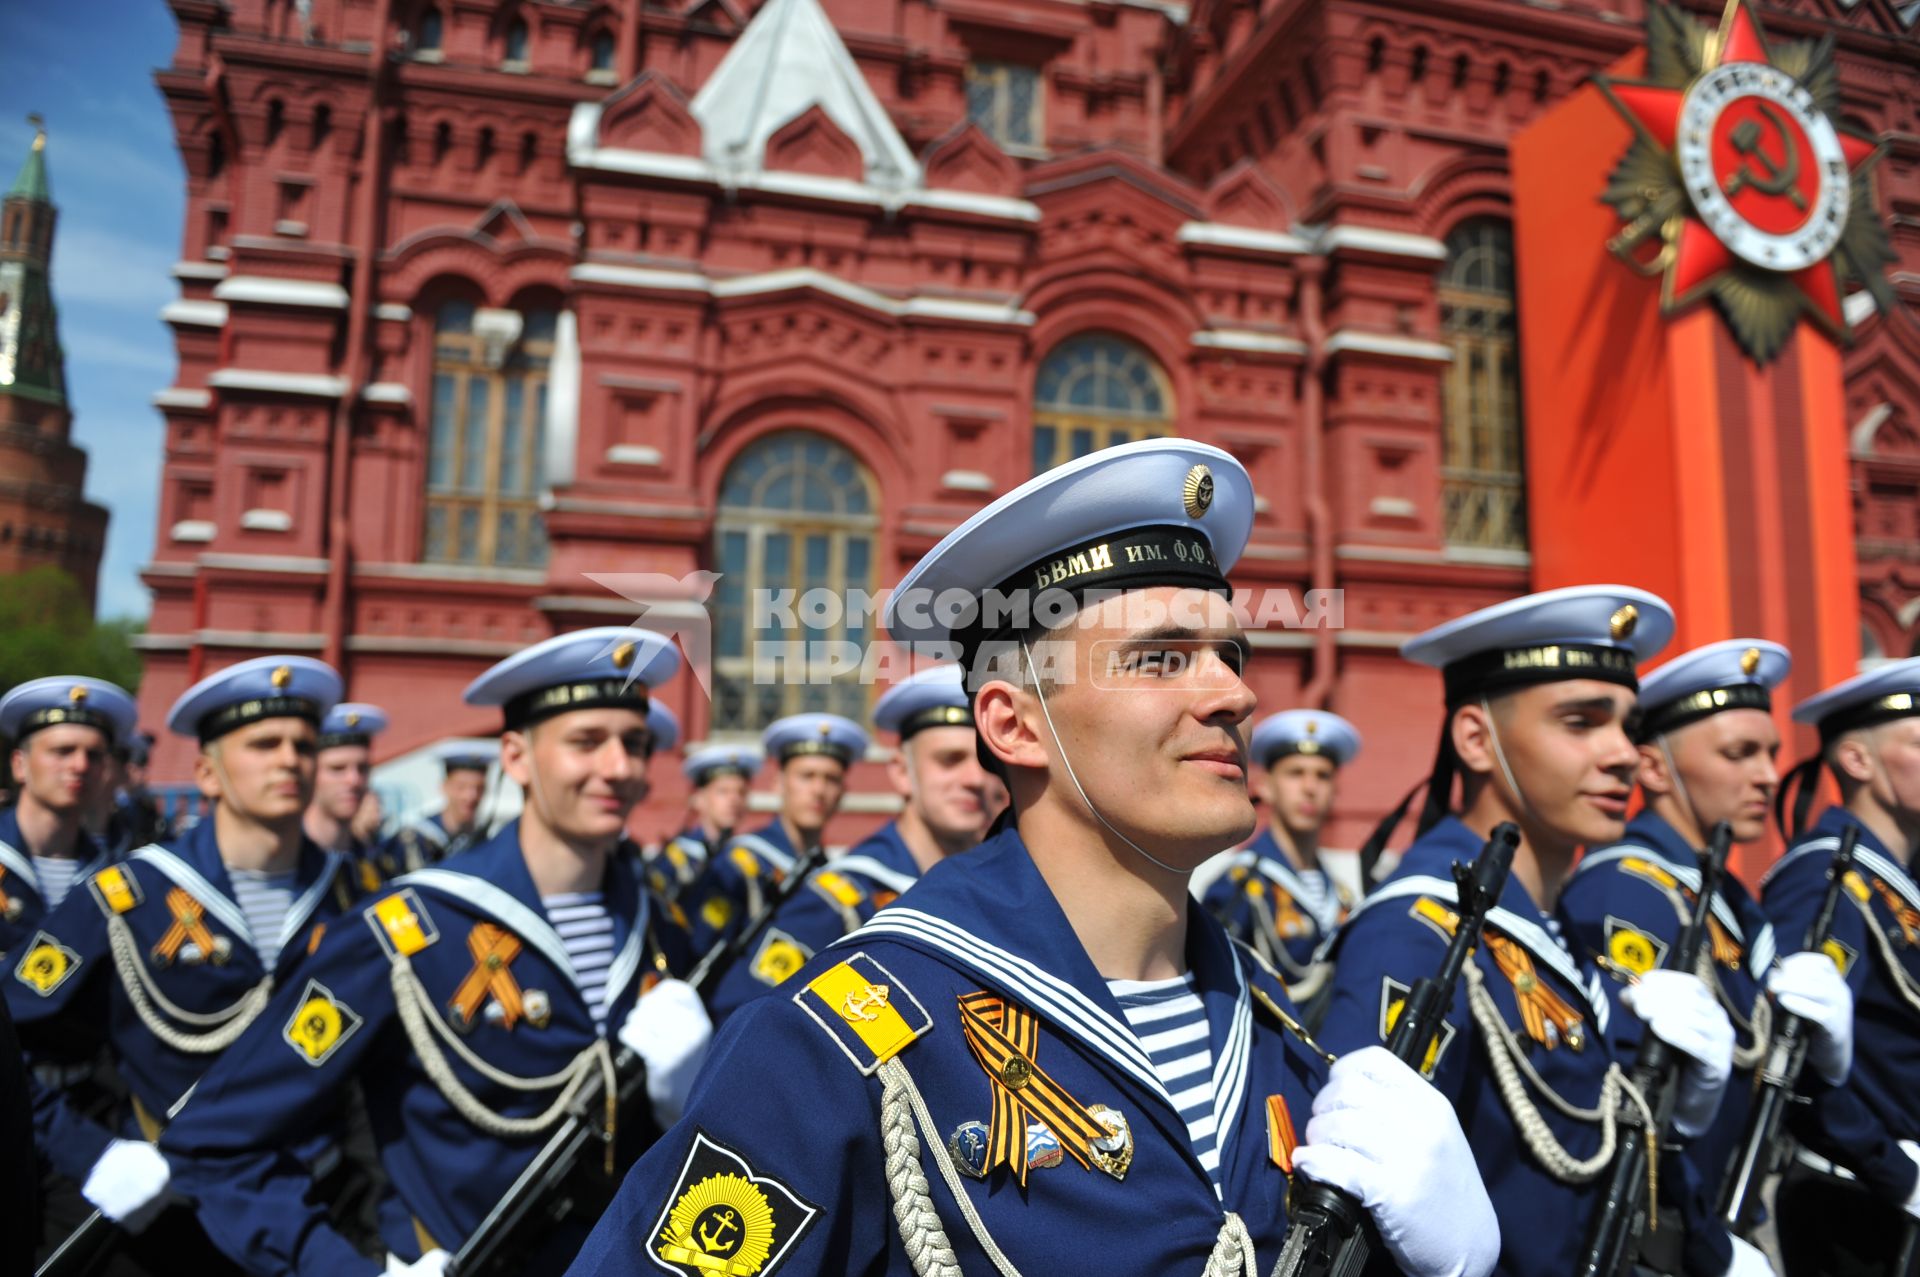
x,y
745,861
838,888
117,888
1651,872
864,1009
1436,915
402,924
1857,886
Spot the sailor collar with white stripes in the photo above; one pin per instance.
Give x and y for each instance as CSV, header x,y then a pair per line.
x,y
1649,837
184,870
1324,907
994,918
1869,854
1422,872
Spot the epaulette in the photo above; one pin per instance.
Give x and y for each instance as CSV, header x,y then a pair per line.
x,y
865,1009
838,888
401,923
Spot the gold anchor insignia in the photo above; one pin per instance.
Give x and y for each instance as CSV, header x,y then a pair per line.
x,y
1196,491
723,1224
1624,621
1750,660
1782,178
858,1005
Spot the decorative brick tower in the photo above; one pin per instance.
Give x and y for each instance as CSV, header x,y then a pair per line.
x,y
44,518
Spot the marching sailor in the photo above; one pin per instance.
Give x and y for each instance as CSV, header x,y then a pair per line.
x,y
449,831
471,999
1540,692
343,773
721,776
167,957
1854,1193
63,730
1047,1054
1274,894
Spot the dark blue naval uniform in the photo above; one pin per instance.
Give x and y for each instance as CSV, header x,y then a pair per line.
x,y
835,901
435,934
158,913
1629,903
734,887
427,841
22,905
1546,995
678,864
797,1087
1262,901
1858,1125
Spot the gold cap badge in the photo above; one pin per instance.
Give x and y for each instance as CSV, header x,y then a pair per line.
x,y
353,719
1196,491
281,676
623,656
76,694
1750,660
1625,619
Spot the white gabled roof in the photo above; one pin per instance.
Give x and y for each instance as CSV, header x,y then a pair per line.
x,y
787,60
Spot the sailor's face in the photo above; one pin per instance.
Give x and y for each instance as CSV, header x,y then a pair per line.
x,y
1896,781
62,768
1729,769
583,771
946,782
462,789
722,801
340,781
1301,788
1151,720
811,786
1569,748
263,770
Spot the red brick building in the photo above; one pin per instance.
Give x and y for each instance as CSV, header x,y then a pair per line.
x,y
479,297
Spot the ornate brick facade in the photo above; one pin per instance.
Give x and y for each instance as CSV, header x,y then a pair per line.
x,y
687,228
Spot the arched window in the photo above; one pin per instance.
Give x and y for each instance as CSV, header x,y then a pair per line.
x,y
516,46
427,40
1482,469
487,438
1094,391
601,51
797,512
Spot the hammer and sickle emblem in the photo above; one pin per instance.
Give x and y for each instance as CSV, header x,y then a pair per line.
x,y
858,1006
1779,178
714,1236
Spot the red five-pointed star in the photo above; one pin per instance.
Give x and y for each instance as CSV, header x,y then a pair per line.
x,y
1698,254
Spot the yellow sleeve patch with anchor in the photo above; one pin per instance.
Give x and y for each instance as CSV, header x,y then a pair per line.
x,y
402,924
868,1013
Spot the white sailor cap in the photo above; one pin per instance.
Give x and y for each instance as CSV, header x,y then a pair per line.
x,y
1731,674
467,755
68,698
713,761
1880,695
1304,731
606,666
829,734
351,723
260,688
932,697
1582,631
1152,513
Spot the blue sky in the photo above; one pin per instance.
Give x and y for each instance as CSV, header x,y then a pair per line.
x,y
117,181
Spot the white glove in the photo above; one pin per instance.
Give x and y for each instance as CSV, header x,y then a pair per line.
x,y
431,1264
1382,1133
669,1030
1811,987
1912,1204
129,1184
1749,1260
1680,1010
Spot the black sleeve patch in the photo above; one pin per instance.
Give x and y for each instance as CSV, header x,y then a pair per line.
x,y
723,1218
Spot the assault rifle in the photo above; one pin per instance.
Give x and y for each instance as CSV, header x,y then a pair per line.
x,y
1328,1232
1762,1151
1626,1206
